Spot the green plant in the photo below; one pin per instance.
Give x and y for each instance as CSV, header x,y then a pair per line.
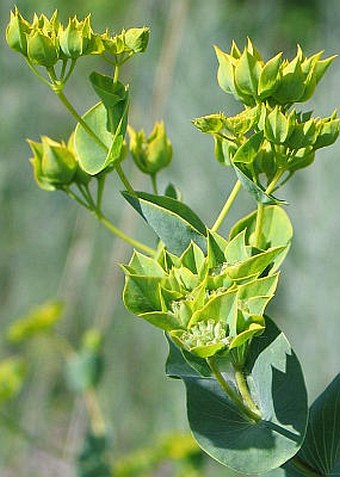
x,y
207,292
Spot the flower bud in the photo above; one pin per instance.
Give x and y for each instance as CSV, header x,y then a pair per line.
x,y
16,31
329,132
277,127
153,153
53,163
77,39
42,48
137,39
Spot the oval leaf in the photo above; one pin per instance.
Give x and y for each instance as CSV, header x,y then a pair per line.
x,y
225,433
90,154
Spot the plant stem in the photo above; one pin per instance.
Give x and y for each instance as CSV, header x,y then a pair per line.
x,y
244,390
124,179
260,208
274,181
258,225
37,74
154,183
79,119
94,412
123,236
229,202
303,467
253,416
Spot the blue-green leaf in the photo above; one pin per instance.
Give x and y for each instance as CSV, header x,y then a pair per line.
x,y
256,191
225,433
174,222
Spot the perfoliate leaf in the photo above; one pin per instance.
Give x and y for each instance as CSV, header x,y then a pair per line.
x,y
220,427
173,221
277,230
91,154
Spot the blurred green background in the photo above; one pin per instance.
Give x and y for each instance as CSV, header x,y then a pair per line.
x,y
51,249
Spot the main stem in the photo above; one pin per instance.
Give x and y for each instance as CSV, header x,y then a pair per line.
x,y
227,206
244,390
253,416
260,208
135,243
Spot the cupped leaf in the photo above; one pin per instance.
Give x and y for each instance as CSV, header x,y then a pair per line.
x,y
254,265
277,230
226,434
174,222
247,153
141,294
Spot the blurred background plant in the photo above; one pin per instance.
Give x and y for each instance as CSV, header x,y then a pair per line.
x,y
52,250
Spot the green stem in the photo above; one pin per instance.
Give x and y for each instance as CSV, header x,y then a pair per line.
x,y
100,190
258,224
253,416
124,179
36,73
154,183
74,196
79,119
274,181
123,236
227,206
116,74
94,412
70,71
303,467
244,391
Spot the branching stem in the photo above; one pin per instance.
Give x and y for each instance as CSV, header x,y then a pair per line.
x,y
135,243
253,416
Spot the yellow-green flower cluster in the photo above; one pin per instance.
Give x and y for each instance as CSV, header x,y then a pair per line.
x,y
55,164
45,41
207,303
152,153
279,81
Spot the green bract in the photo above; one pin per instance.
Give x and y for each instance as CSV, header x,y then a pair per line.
x,y
78,39
53,163
153,153
267,142
207,303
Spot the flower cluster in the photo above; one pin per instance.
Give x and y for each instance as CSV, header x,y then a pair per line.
x,y
278,81
150,153
207,303
55,165
45,41
269,138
